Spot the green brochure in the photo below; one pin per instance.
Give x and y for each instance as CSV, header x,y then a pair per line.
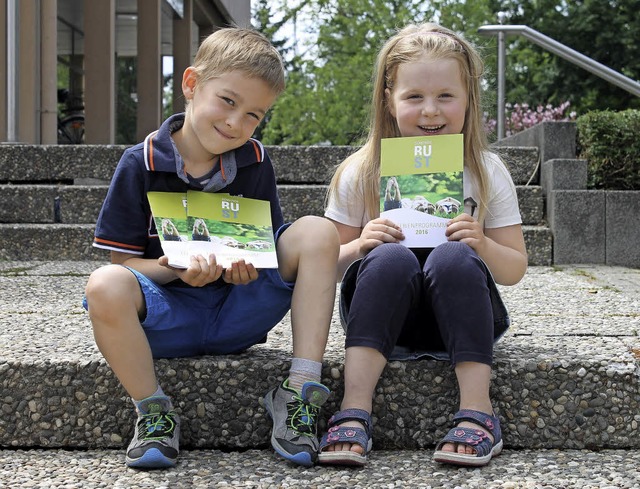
x,y
169,211
232,228
202,223
421,186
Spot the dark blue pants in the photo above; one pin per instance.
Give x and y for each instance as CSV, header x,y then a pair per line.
x,y
448,307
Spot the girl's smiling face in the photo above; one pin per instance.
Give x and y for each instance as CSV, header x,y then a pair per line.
x,y
428,98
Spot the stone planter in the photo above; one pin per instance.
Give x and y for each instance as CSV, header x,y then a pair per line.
x,y
588,226
622,223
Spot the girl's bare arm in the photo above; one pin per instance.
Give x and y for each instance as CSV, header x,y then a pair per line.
x,y
356,242
502,249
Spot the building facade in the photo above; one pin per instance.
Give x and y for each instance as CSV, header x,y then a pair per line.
x,y
60,59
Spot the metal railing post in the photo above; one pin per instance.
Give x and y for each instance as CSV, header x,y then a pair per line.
x,y
501,86
12,70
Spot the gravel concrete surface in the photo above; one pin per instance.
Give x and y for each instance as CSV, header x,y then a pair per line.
x,y
558,312
262,469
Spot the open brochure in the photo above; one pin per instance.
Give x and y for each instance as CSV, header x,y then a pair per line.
x,y
421,186
202,223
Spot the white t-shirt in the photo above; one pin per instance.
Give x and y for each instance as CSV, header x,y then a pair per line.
x,y
502,207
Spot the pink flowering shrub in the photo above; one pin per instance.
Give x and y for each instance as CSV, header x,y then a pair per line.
x,y
519,117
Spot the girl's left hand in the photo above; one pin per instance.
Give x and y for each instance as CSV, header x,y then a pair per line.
x,y
240,273
466,229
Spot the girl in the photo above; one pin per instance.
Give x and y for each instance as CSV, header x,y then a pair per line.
x,y
442,301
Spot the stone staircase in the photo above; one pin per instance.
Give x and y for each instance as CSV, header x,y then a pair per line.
x,y
566,374
50,196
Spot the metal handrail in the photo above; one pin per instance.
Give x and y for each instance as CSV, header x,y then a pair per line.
x,y
556,48
12,69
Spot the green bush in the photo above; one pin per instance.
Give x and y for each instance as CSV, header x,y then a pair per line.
x,y
610,143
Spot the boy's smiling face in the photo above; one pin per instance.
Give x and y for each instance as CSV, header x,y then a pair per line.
x,y
224,111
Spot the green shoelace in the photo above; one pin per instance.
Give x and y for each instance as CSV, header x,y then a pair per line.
x,y
301,416
155,426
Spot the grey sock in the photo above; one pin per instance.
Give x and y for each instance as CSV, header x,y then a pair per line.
x,y
158,393
303,370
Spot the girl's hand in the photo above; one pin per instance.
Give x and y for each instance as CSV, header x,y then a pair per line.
x,y
466,229
240,273
200,271
377,232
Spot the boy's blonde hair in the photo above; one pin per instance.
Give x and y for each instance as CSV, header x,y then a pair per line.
x,y
239,49
413,43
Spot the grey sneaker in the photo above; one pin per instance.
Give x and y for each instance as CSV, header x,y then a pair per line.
x,y
157,432
295,420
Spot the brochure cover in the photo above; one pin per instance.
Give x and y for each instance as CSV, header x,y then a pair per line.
x,y
201,223
170,216
231,228
421,185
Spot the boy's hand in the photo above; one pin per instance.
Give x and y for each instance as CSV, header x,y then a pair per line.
x,y
466,229
378,231
200,271
240,273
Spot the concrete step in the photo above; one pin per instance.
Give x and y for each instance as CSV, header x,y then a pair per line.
x,y
566,373
74,242
293,164
299,200
70,204
200,469
50,196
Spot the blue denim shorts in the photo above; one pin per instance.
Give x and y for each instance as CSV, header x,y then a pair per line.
x,y
217,319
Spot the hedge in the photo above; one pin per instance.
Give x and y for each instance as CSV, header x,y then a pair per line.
x,y
610,142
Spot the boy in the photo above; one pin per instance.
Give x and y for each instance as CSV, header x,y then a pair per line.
x,y
141,308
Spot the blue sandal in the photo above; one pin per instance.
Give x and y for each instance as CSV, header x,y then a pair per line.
x,y
347,434
472,437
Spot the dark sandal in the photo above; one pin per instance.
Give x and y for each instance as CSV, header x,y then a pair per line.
x,y
346,434
472,437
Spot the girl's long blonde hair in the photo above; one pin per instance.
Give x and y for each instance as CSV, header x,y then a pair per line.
x,y
412,43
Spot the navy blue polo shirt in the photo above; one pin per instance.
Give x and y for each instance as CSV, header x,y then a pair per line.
x,y
125,222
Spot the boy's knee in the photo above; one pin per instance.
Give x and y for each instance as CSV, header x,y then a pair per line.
x,y
318,233
314,223
108,286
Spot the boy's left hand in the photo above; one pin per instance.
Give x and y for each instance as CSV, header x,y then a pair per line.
x,y
200,271
466,229
240,273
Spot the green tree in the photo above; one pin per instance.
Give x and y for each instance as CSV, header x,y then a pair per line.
x,y
327,98
329,85
264,19
126,76
329,82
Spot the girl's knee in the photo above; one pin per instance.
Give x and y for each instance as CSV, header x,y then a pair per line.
x,y
391,262
454,257
393,256
452,252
